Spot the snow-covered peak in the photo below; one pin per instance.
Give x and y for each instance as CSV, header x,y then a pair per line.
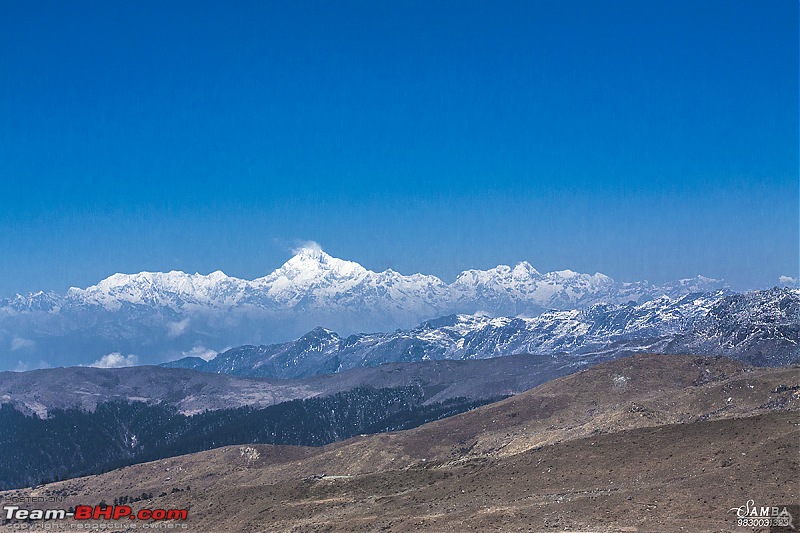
x,y
524,270
169,289
35,301
314,262
310,273
691,285
175,280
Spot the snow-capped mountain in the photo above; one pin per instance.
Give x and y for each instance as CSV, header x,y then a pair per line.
x,y
762,327
161,315
312,278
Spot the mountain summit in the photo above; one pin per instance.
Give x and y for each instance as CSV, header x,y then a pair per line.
x,y
313,264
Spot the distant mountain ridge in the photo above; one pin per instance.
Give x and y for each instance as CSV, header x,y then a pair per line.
x,y
191,392
157,315
762,327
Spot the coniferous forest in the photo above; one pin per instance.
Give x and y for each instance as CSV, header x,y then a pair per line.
x,y
71,443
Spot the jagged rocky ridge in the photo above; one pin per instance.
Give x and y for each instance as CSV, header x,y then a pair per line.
x,y
761,327
157,316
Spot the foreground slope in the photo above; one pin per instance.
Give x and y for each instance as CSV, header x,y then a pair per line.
x,y
648,443
63,423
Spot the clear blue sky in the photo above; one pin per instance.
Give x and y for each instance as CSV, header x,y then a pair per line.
x,y
646,140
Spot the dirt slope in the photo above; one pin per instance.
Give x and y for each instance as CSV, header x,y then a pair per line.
x,y
647,443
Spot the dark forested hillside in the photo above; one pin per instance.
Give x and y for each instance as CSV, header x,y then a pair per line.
x,y
72,442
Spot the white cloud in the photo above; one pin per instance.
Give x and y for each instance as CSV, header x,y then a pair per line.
x,y
788,280
18,343
176,329
310,246
202,352
115,360
24,367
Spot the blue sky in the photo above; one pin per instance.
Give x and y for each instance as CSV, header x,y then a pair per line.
x,y
645,140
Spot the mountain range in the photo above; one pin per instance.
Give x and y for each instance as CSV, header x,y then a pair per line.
x,y
761,327
151,317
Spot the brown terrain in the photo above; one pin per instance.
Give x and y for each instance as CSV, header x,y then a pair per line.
x,y
647,443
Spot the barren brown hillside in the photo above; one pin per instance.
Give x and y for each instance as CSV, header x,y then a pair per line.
x,y
646,443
